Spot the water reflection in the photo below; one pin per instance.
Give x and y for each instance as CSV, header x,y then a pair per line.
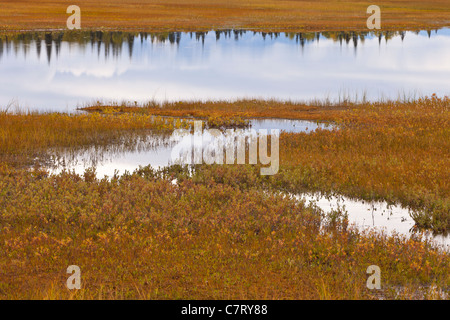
x,y
374,215
127,153
143,149
110,44
60,70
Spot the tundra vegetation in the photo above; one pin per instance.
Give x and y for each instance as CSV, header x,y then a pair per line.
x,y
258,15
224,231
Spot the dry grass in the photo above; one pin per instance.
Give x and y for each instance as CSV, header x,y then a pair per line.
x,y
26,136
219,234
394,151
141,237
182,15
246,108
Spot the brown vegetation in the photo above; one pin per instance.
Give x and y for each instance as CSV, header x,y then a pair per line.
x,y
394,151
141,237
188,15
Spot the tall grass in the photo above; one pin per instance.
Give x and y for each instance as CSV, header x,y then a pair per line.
x,y
26,135
218,233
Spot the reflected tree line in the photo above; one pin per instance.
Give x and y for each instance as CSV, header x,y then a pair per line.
x,y
113,42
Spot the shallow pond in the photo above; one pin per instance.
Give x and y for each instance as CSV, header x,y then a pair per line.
x,y
63,70
60,71
374,215
157,151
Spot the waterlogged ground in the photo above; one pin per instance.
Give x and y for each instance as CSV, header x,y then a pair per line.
x,y
380,216
157,151
223,231
60,70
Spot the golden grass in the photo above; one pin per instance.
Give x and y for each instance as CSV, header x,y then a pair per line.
x,y
393,151
25,136
224,233
141,237
397,152
265,15
245,108
219,234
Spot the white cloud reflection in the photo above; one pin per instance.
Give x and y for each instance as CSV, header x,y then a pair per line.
x,y
228,69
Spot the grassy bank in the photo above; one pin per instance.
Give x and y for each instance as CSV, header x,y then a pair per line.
x,y
396,151
26,136
245,108
219,233
392,151
265,15
142,237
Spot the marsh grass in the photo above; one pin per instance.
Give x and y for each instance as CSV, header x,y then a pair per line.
x,y
242,108
396,151
139,236
259,15
25,136
225,232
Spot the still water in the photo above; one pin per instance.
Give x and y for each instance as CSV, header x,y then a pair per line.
x,y
158,150
60,70
375,215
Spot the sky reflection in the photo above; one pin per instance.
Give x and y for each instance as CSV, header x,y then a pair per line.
x,y
57,72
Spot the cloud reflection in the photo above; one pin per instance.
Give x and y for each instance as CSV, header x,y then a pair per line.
x,y
59,71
